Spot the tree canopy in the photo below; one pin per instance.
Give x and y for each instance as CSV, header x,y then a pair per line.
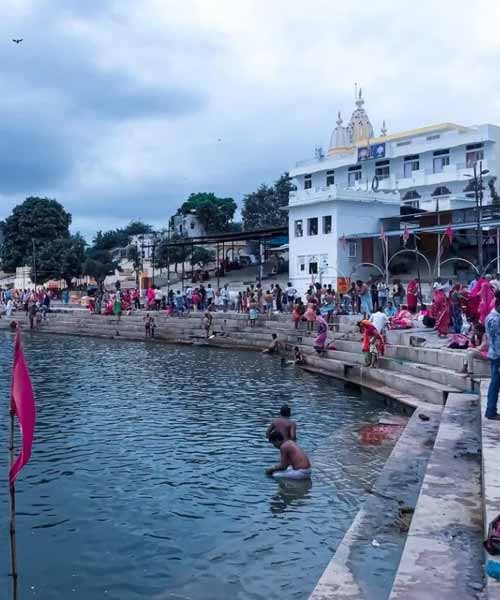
x,y
37,221
167,254
214,213
99,264
60,259
262,208
119,238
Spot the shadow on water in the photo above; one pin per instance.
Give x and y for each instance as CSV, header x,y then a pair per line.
x,y
290,494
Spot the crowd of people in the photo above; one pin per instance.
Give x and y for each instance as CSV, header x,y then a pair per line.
x,y
35,304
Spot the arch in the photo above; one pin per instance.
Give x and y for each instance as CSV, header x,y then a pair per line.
x,y
367,264
441,190
463,260
493,260
412,252
412,195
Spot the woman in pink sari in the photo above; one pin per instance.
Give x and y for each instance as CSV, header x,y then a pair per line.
x,y
440,310
487,296
412,294
319,342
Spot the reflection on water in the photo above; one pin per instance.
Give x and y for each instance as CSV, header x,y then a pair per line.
x,y
147,479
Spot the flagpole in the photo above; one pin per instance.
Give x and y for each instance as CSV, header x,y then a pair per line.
x,y
12,529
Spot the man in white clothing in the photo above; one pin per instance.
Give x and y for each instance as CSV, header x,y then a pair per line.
x,y
379,319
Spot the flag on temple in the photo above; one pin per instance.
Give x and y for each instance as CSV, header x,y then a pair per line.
x,y
406,235
343,241
22,406
382,233
449,233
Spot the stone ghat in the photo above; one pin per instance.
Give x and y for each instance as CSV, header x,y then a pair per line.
x,y
435,468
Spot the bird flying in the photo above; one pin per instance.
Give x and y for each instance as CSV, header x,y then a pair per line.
x,y
17,41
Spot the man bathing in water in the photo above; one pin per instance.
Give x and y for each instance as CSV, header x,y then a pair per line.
x,y
283,424
294,462
274,346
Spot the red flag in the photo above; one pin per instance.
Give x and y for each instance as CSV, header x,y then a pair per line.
x,y
343,241
406,235
382,233
23,406
449,233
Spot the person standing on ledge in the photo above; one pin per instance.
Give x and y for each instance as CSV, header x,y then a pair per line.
x,y
492,326
294,462
283,424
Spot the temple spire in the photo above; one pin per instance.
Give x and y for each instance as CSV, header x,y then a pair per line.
x,y
383,131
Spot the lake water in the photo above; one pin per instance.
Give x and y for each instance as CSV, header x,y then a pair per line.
x,y
147,477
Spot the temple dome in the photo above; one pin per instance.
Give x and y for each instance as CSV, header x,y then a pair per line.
x,y
360,126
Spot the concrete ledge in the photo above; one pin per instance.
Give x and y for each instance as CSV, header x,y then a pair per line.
x,y
443,555
490,445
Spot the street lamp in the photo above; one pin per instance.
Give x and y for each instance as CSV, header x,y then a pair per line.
x,y
478,195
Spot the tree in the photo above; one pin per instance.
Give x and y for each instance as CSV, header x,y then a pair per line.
x,y
262,209
215,214
202,256
167,253
99,264
119,238
135,257
38,220
138,228
59,259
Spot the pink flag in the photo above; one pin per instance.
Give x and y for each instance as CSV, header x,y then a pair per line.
x,y
406,235
23,406
449,233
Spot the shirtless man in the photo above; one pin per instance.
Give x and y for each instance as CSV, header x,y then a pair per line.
x,y
207,323
283,425
274,346
294,462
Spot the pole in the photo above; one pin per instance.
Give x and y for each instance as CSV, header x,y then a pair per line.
x,y
34,262
168,261
479,216
153,257
498,250
261,262
417,260
218,267
12,493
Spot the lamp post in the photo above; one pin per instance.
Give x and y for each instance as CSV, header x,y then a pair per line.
x,y
478,195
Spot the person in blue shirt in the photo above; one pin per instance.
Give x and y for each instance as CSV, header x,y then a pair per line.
x,y
389,310
492,327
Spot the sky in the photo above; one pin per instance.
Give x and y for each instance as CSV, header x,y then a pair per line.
x,y
120,109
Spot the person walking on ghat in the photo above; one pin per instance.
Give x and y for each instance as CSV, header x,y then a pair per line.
x,y
492,327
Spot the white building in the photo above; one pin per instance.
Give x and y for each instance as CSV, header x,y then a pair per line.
x,y
428,166
188,225
363,178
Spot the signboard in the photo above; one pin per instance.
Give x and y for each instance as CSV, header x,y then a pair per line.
x,y
371,152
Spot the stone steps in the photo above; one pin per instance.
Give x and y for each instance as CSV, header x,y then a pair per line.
x,y
350,573
443,555
490,446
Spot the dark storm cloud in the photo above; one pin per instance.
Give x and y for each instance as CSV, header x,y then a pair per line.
x,y
57,99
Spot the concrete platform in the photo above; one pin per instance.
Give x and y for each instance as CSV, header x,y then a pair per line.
x,y
443,554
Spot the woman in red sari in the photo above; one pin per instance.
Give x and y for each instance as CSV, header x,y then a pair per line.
x,y
487,302
412,295
369,331
440,310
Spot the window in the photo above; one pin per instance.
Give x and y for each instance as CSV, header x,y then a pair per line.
x,y
382,169
307,182
299,232
180,229
301,263
442,190
330,178
433,137
473,154
413,204
313,266
411,195
192,224
352,249
406,143
354,174
312,226
327,224
411,163
441,159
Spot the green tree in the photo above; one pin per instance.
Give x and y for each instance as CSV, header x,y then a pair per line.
x,y
202,256
138,228
99,264
167,252
135,257
119,238
262,208
60,259
38,220
214,213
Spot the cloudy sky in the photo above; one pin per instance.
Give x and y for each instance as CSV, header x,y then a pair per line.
x,y
121,108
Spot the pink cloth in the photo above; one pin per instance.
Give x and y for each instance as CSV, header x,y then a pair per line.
x,y
440,310
487,301
23,406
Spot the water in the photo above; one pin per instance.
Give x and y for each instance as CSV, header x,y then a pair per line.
x,y
147,478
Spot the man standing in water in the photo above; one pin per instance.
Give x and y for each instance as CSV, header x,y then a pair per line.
x,y
294,462
283,424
